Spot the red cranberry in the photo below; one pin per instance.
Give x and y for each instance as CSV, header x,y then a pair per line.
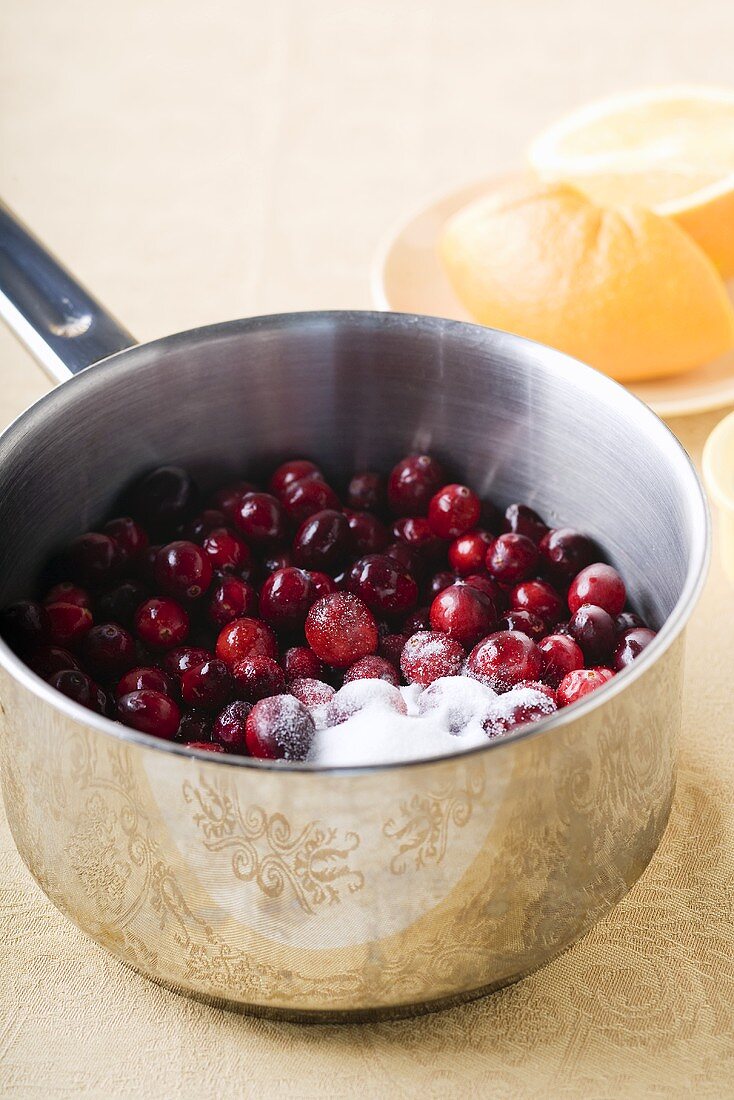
x,y
322,583
161,623
183,570
230,727
279,728
66,592
416,532
231,599
52,658
150,712
108,650
301,663
581,682
340,629
81,688
94,559
195,730
245,638
512,558
369,534
68,623
565,552
504,659
153,679
226,551
429,655
630,646
260,519
420,619
367,492
202,525
525,622
118,605
208,685
306,497
179,660
628,620
522,520
286,597
130,536
412,483
468,552
439,581
257,677
311,692
391,647
372,668
273,562
517,708
453,511
290,472
593,628
489,587
464,613
383,584
203,746
25,625
163,499
561,655
362,694
538,597
598,584
323,541
407,556
228,499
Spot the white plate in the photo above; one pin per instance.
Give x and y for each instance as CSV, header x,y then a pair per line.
x,y
407,277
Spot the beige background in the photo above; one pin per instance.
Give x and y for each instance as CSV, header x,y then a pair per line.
x,y
194,162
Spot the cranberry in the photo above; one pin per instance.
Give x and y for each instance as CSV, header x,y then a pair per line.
x,y
512,558
565,552
228,499
412,483
366,492
517,708
202,525
505,658
439,581
204,746
361,694
257,677
161,623
383,584
195,730
67,592
286,597
118,605
428,655
153,679
416,532
453,511
522,520
312,692
245,638
593,628
462,612
290,472
306,497
260,519
94,560
301,663
230,726
68,623
150,712
323,541
279,728
628,620
179,660
183,570
391,647
581,682
208,685
406,555
322,583
561,655
539,685
630,646
273,562
231,598
130,536
489,587
538,597
372,668
369,534
226,551
525,622
598,584
81,688
420,619
468,552
52,658
163,499
340,629
108,650
25,625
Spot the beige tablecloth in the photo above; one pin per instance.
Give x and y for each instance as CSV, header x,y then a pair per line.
x,y
194,162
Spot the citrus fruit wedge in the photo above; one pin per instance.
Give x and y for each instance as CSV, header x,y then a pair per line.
x,y
670,149
622,289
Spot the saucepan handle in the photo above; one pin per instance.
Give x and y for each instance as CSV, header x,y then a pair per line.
x,y
60,323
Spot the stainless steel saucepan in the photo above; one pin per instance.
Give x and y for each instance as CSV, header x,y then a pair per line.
x,y
295,890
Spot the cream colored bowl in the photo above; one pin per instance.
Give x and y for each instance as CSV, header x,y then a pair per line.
x,y
718,468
